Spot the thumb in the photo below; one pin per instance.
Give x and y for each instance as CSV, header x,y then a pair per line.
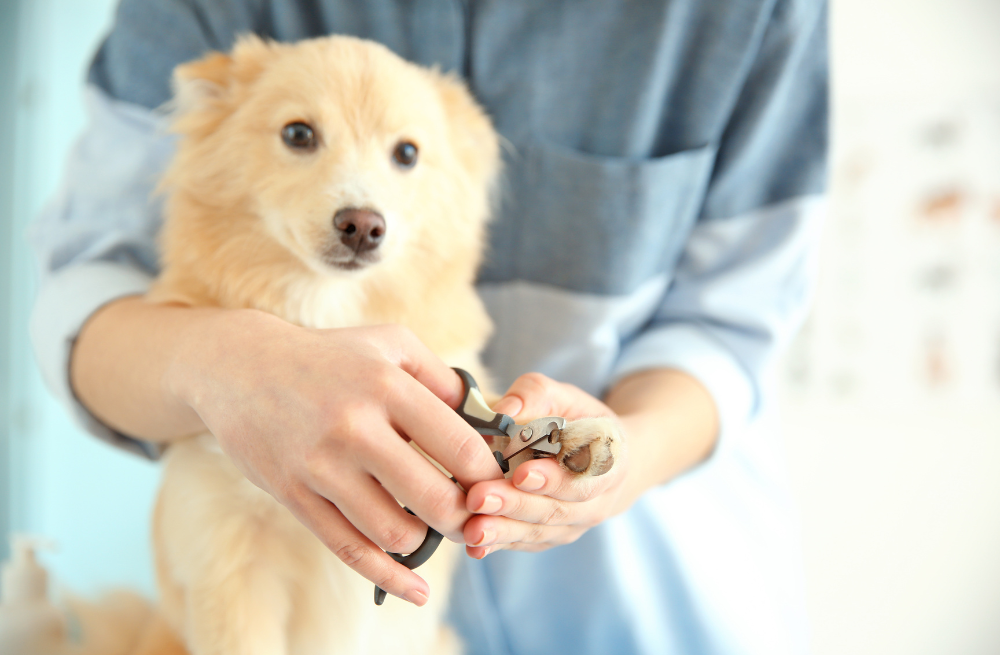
x,y
532,395
509,404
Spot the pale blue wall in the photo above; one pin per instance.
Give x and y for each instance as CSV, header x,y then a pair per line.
x,y
90,499
8,34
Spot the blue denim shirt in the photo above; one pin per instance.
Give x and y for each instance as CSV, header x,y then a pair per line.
x,y
661,208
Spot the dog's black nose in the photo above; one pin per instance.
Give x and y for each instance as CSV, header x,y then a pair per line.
x,y
360,229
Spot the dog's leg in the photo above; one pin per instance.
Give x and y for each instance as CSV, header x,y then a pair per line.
x,y
226,556
589,446
244,611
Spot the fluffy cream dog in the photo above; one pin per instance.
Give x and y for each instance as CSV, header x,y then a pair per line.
x,y
333,184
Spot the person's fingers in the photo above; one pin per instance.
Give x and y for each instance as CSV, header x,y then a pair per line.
x,y
354,549
479,552
500,532
509,405
440,432
533,395
536,393
520,506
544,477
540,477
414,481
403,348
373,511
505,500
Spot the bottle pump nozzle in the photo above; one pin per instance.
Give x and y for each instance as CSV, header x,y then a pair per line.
x,y
29,623
23,578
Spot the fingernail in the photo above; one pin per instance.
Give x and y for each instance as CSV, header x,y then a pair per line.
x,y
490,504
533,481
510,405
416,597
489,536
487,551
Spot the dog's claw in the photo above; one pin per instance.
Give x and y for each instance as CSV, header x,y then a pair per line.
x,y
590,445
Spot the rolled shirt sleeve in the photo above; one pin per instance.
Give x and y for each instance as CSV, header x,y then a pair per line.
x,y
96,240
743,283
739,293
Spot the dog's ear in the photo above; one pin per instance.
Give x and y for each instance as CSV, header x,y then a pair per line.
x,y
472,133
210,87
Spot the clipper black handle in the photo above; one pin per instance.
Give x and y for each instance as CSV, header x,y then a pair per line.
x,y
478,414
414,559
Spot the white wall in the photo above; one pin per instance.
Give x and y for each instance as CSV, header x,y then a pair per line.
x,y
921,49
892,397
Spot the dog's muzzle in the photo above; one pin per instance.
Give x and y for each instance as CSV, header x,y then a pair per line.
x,y
361,230
357,235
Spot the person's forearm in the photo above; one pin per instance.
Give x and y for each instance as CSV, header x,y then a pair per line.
x,y
313,417
120,364
671,422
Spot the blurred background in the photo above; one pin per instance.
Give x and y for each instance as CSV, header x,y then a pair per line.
x,y
891,394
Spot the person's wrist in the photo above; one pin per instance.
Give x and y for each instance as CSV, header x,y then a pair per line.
x,y
189,377
637,476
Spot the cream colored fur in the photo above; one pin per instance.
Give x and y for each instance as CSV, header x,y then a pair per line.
x,y
248,221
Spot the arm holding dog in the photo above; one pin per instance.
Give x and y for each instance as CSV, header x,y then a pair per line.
x,y
313,417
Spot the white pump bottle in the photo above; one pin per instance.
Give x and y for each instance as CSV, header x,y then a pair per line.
x,y
29,623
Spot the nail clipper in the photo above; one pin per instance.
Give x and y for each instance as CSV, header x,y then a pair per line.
x,y
541,435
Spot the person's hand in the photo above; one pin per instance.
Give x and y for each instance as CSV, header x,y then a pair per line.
x,y
320,420
542,505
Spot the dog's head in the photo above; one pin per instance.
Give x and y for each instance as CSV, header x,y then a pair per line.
x,y
344,154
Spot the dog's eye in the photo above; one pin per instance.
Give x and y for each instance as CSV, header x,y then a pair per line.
x,y
299,136
405,154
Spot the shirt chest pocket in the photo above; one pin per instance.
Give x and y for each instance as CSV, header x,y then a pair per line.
x,y
599,225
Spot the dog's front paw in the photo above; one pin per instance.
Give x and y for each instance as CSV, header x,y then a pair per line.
x,y
589,445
